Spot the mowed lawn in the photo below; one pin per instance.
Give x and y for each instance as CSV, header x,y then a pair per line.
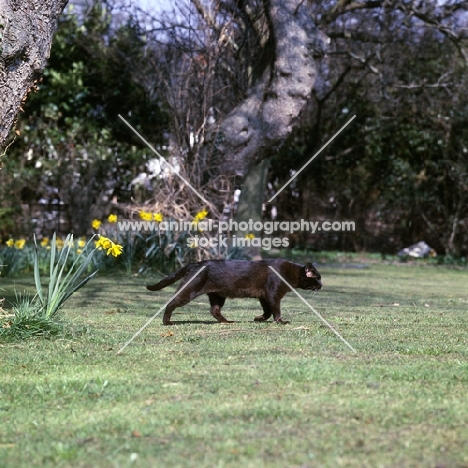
x,y
247,394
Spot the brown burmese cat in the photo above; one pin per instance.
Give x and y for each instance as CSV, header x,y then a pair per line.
x,y
240,278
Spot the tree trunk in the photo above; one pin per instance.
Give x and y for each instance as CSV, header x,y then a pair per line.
x,y
26,31
263,121
251,201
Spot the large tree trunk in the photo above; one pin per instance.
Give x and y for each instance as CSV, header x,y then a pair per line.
x,y
263,121
251,201
253,130
26,31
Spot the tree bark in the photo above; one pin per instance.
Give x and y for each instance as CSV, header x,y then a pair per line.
x,y
26,31
251,201
263,121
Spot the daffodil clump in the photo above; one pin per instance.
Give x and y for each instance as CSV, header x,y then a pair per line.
x,y
17,256
62,286
17,244
105,243
67,264
147,216
20,244
97,223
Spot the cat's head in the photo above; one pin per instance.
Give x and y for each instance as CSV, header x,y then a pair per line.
x,y
310,278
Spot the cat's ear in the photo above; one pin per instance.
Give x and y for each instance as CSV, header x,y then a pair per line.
x,y
310,270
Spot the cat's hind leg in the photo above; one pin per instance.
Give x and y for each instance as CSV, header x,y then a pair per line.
x,y
182,298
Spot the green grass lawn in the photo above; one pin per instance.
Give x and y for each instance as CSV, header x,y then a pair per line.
x,y
248,394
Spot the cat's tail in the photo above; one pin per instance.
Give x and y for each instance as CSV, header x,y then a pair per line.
x,y
168,280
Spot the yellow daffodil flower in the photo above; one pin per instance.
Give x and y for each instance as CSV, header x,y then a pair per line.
x,y
112,218
81,243
103,243
96,224
145,216
44,241
201,215
250,236
115,250
10,243
20,243
158,217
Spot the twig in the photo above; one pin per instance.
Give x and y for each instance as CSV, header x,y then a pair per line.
x,y
273,327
